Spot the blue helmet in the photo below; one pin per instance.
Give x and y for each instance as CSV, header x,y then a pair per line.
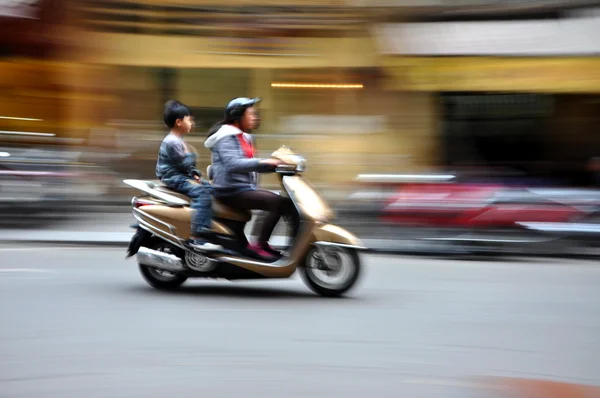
x,y
237,106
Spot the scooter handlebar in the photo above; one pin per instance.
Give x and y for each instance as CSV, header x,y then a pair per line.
x,y
286,168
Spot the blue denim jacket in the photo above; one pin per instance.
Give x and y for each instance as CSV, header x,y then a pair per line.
x,y
174,161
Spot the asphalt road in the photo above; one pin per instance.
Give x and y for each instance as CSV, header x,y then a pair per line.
x,y
81,322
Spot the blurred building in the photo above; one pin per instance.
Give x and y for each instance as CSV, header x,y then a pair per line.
x,y
356,86
517,84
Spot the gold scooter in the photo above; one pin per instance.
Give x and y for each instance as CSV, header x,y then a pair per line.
x,y
326,255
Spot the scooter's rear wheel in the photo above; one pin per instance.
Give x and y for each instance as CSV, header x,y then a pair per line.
x,y
160,279
332,271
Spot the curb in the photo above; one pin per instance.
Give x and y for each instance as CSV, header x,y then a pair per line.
x,y
121,244
121,239
448,252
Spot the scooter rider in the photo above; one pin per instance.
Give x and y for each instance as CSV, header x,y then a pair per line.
x,y
234,171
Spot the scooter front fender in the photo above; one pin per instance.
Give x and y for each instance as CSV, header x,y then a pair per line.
x,y
329,234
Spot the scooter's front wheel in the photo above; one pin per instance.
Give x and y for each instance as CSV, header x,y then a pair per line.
x,y
331,271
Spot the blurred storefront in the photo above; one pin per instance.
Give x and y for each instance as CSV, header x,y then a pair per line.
x,y
351,95
519,94
41,127
317,70
31,98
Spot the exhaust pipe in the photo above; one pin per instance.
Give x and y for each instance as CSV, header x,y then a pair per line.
x,y
160,260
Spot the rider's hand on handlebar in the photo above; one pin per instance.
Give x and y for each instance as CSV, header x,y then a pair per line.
x,y
273,162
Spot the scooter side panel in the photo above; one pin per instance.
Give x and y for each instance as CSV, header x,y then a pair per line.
x,y
284,267
179,218
334,234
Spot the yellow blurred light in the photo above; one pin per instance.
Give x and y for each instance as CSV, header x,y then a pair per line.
x,y
309,85
27,133
27,119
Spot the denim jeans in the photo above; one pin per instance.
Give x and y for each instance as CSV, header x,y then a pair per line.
x,y
200,194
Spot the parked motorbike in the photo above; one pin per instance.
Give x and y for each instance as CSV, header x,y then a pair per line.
x,y
580,233
326,256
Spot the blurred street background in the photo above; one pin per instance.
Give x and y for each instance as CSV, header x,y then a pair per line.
x,y
458,130
453,123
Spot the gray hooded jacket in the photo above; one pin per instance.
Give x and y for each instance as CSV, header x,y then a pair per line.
x,y
232,172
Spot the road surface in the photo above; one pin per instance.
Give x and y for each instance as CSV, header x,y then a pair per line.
x,y
81,322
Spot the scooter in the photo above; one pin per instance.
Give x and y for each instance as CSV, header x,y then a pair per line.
x,y
326,256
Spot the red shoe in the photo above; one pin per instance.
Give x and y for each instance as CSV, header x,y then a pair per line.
x,y
269,249
259,251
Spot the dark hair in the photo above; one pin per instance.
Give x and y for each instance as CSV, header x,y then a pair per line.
x,y
215,128
229,119
174,110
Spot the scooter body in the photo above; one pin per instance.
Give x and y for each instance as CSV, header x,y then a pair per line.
x,y
326,255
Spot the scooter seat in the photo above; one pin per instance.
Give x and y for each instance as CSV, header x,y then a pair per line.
x,y
220,210
167,190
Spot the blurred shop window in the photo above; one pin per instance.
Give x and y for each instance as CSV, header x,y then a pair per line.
x,y
205,118
500,129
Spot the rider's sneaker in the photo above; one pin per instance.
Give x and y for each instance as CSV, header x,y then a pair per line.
x,y
259,251
203,245
274,252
